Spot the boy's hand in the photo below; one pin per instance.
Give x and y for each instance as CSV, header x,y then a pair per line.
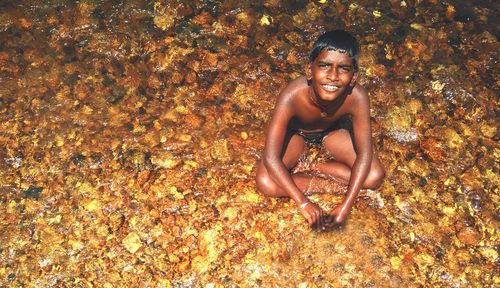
x,y
314,215
337,216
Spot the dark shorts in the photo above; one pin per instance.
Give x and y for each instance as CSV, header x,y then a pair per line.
x,y
316,138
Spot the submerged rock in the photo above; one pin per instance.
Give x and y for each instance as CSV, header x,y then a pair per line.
x,y
469,236
33,192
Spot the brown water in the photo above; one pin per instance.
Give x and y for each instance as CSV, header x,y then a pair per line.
x,y
130,131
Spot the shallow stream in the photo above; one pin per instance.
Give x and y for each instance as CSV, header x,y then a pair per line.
x,y
130,132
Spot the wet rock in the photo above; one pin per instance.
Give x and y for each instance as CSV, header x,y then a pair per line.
x,y
399,125
490,254
469,236
136,157
419,167
165,159
32,192
476,201
77,159
433,148
11,277
220,150
116,94
463,256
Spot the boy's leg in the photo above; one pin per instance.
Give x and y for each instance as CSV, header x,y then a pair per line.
x,y
340,146
294,148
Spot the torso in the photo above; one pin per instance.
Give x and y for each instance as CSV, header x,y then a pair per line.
x,y
307,116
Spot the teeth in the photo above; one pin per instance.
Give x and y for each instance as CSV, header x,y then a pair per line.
x,y
330,86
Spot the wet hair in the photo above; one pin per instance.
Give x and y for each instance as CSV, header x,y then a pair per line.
x,y
339,40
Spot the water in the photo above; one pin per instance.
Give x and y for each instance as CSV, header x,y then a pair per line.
x,y
130,131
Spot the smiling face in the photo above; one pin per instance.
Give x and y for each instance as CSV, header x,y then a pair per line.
x,y
332,74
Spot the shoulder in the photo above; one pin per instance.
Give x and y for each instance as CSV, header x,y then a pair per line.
x,y
293,91
358,97
359,93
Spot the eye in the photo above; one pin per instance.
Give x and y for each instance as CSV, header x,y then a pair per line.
x,y
345,68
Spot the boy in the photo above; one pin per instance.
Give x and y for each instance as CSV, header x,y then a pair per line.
x,y
308,111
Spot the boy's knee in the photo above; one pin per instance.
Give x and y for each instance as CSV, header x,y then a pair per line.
x,y
264,183
375,178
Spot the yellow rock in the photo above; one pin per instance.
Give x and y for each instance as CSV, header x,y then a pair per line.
x,y
199,264
75,244
266,20
251,197
165,160
230,213
419,167
177,195
132,242
220,150
489,253
454,139
93,205
395,262
463,256
437,86
423,260
173,258
449,211
191,163
353,6
181,109
417,26
164,18
185,137
489,130
183,266
210,245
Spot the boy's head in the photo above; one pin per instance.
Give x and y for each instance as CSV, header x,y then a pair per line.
x,y
336,40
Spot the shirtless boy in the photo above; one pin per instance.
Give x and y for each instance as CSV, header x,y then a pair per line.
x,y
308,110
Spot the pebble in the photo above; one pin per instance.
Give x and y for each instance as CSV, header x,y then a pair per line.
x,y
469,236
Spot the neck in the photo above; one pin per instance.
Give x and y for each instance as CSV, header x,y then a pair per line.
x,y
317,102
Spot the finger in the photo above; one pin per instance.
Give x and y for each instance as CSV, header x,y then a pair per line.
x,y
318,221
325,220
328,219
322,221
331,221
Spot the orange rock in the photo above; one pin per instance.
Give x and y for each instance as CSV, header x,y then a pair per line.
x,y
433,149
463,256
203,19
183,266
450,13
190,77
26,24
469,236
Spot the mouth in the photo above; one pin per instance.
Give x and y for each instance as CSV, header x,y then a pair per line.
x,y
330,88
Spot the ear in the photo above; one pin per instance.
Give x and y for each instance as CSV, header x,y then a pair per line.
x,y
354,78
309,72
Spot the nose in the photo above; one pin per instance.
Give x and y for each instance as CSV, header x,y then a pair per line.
x,y
333,74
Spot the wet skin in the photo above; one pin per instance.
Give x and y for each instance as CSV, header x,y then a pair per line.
x,y
334,91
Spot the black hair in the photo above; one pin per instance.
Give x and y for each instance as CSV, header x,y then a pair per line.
x,y
336,40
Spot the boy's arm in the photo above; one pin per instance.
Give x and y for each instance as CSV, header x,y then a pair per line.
x,y
360,113
275,138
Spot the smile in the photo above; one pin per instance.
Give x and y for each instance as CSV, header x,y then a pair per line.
x,y
330,87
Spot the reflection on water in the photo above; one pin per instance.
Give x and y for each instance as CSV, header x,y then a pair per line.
x,y
130,131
